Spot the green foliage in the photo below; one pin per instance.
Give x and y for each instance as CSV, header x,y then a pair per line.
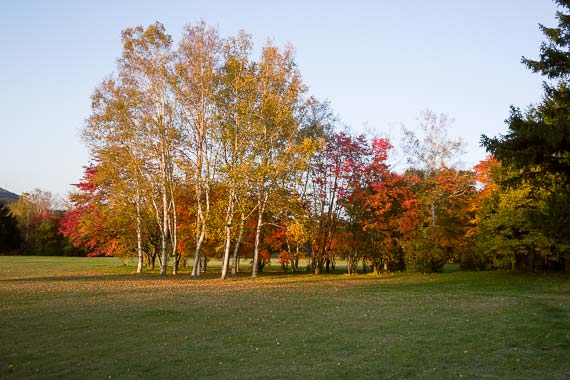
x,y
532,209
46,240
554,59
10,239
473,259
424,253
514,229
540,137
38,224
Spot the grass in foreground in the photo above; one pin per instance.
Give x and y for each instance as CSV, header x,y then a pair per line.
x,y
88,318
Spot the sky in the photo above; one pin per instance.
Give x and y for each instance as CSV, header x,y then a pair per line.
x,y
379,63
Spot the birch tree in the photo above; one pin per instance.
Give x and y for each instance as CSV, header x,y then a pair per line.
x,y
131,128
235,100
197,66
145,68
435,158
430,149
277,130
110,135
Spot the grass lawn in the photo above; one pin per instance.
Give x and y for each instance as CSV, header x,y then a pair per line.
x,y
91,318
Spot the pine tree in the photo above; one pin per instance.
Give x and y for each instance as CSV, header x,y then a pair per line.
x,y
540,137
536,149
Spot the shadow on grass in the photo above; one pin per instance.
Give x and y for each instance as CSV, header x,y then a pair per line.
x,y
463,282
213,275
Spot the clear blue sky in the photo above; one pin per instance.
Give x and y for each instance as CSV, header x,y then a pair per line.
x,y
378,62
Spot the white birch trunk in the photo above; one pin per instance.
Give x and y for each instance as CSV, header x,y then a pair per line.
x,y
174,237
140,261
237,245
201,233
260,211
163,251
228,231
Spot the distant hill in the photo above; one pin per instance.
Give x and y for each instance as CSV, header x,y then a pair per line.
x,y
7,196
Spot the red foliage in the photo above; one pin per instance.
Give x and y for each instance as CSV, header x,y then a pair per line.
x,y
394,205
484,175
84,224
284,257
265,256
186,220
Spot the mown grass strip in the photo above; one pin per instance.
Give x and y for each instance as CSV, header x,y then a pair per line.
x,y
91,319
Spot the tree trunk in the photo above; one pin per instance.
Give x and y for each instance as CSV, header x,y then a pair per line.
x,y
175,265
530,262
376,267
226,258
567,263
317,268
174,235
200,229
198,256
151,258
294,263
140,261
196,264
163,250
228,231
318,265
260,211
204,264
237,244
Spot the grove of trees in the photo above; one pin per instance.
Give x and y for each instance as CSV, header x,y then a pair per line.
x,y
31,225
202,150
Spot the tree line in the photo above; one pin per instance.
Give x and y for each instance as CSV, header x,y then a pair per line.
x,y
31,226
201,151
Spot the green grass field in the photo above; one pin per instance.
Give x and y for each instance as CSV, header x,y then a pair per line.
x,y
91,318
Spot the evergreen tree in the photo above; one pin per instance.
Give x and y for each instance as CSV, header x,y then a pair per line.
x,y
536,149
9,233
538,140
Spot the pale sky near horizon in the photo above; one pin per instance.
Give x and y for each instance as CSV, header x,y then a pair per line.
x,y
379,63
